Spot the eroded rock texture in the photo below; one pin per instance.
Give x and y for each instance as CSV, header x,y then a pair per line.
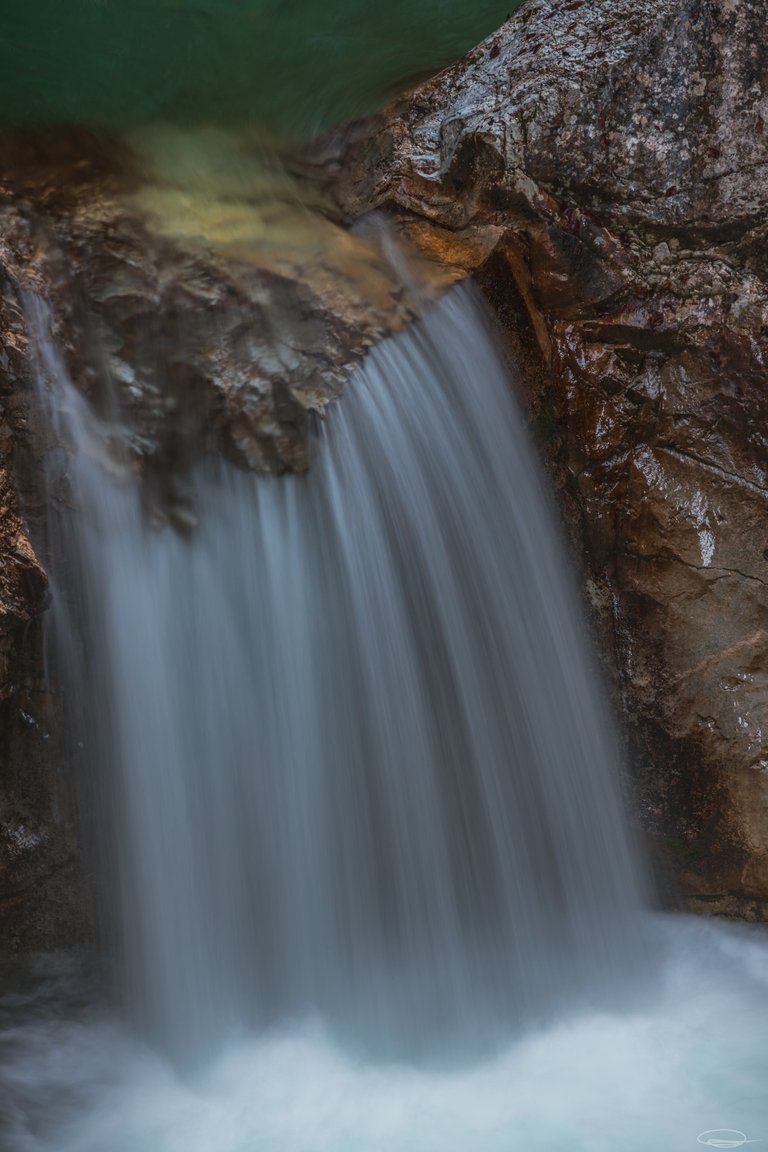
x,y
194,293
613,156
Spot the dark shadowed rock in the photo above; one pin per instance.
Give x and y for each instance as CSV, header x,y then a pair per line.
x,y
616,155
40,893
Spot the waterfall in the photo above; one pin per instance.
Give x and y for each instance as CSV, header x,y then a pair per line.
x,y
352,752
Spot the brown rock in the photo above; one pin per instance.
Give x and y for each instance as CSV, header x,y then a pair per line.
x,y
40,896
617,149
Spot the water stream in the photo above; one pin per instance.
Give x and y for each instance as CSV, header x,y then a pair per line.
x,y
287,66
373,887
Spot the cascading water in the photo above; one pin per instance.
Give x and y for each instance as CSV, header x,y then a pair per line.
x,y
360,761
363,808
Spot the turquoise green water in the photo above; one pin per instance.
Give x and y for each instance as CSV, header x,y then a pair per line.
x,y
291,65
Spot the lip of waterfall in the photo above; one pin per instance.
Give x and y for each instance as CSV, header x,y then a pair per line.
x,y
358,759
63,411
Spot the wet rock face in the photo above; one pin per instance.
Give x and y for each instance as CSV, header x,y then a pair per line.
x,y
41,902
616,152
193,293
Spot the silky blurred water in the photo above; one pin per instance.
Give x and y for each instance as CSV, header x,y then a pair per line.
x,y
352,739
359,794
290,66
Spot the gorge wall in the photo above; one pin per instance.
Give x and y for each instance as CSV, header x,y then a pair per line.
x,y
602,166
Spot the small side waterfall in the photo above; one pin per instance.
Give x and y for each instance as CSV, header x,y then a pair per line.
x,y
357,758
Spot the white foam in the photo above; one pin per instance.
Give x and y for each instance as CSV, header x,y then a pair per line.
x,y
694,1059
